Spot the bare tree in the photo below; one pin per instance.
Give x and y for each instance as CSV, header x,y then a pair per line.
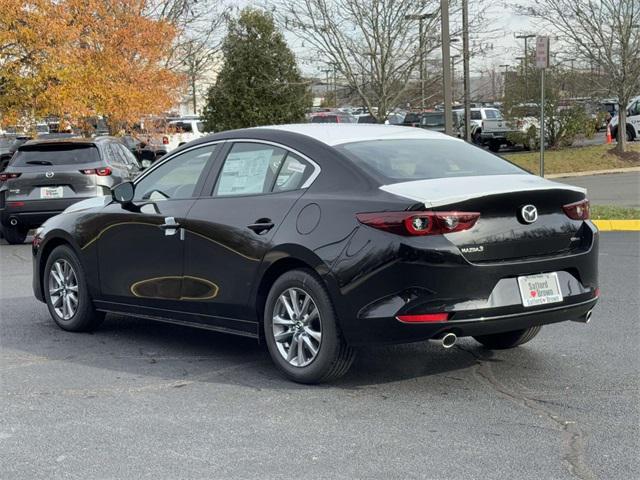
x,y
362,39
201,25
606,33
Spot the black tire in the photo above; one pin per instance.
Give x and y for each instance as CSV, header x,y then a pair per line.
x,y
85,318
334,356
15,235
630,133
494,146
501,341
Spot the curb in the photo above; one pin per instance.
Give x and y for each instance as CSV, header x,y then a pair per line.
x,y
593,172
617,225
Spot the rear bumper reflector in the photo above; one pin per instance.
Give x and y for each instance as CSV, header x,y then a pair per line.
x,y
424,318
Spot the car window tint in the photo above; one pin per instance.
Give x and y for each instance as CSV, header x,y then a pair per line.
x,y
493,114
410,159
249,169
476,115
55,154
293,173
127,156
176,178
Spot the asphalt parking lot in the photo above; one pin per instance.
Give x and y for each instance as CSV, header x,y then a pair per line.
x,y
143,400
619,189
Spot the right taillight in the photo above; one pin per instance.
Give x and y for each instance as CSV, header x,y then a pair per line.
x,y
8,176
419,223
578,210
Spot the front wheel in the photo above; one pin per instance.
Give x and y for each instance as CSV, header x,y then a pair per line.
x,y
66,292
501,341
301,330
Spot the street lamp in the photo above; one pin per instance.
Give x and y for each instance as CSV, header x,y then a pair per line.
x,y
421,17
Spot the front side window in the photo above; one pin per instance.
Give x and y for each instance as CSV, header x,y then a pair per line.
x,y
412,159
249,169
176,178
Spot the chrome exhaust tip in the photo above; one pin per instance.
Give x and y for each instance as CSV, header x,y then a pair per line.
x,y
13,222
446,340
586,318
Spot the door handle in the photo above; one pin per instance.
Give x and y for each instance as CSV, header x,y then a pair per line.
x,y
170,226
261,226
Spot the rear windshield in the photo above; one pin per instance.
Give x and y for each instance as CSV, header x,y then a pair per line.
x,y
34,155
406,160
433,119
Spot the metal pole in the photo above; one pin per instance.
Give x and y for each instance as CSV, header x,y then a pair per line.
x,y
335,86
446,67
467,80
542,123
422,94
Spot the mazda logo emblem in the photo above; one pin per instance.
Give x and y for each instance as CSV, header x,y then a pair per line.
x,y
529,214
49,174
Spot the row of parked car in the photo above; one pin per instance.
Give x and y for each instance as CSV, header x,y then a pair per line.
x,y
42,177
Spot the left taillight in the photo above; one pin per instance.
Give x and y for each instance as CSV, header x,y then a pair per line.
x,y
9,176
578,210
101,172
419,223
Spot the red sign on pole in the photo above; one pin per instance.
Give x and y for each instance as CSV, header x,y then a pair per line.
x,y
542,52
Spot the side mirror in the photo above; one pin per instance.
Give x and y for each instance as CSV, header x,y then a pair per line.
x,y
123,193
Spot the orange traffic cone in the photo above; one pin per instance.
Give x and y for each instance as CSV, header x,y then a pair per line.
x,y
608,135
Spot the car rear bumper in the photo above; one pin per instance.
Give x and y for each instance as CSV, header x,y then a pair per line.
x,y
32,214
390,330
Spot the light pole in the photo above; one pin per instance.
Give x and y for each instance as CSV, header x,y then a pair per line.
x,y
465,66
526,55
504,80
326,84
446,74
453,76
421,17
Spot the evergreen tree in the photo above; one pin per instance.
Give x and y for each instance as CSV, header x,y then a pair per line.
x,y
260,83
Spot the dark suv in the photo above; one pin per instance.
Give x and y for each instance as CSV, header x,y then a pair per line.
x,y
46,176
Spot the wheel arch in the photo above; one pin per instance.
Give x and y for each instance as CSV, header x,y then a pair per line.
x,y
283,259
56,239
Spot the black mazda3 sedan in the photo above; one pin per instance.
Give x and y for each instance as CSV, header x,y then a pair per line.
x,y
317,239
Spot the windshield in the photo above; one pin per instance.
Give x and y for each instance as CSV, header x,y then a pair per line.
x,y
405,160
34,155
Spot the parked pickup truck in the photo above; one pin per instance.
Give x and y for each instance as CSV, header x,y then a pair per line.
x,y
180,131
491,128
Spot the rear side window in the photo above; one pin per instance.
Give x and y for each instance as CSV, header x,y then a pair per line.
x,y
476,115
406,160
249,169
60,154
292,174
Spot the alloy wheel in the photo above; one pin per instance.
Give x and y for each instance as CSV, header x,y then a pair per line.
x,y
297,327
63,289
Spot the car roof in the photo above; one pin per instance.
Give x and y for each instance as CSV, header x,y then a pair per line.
x,y
73,140
341,133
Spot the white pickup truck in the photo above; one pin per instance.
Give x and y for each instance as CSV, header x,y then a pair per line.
x,y
488,127
180,131
633,121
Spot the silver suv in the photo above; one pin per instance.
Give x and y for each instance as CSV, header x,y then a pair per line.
x,y
44,177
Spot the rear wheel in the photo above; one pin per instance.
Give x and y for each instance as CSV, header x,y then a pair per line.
x,y
301,330
499,341
15,235
494,146
66,293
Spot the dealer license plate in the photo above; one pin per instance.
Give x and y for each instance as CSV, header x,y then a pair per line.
x,y
540,289
51,192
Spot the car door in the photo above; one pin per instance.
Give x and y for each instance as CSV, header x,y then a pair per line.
x,y
141,247
229,232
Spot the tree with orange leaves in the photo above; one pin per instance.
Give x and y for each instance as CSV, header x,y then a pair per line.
x,y
80,58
